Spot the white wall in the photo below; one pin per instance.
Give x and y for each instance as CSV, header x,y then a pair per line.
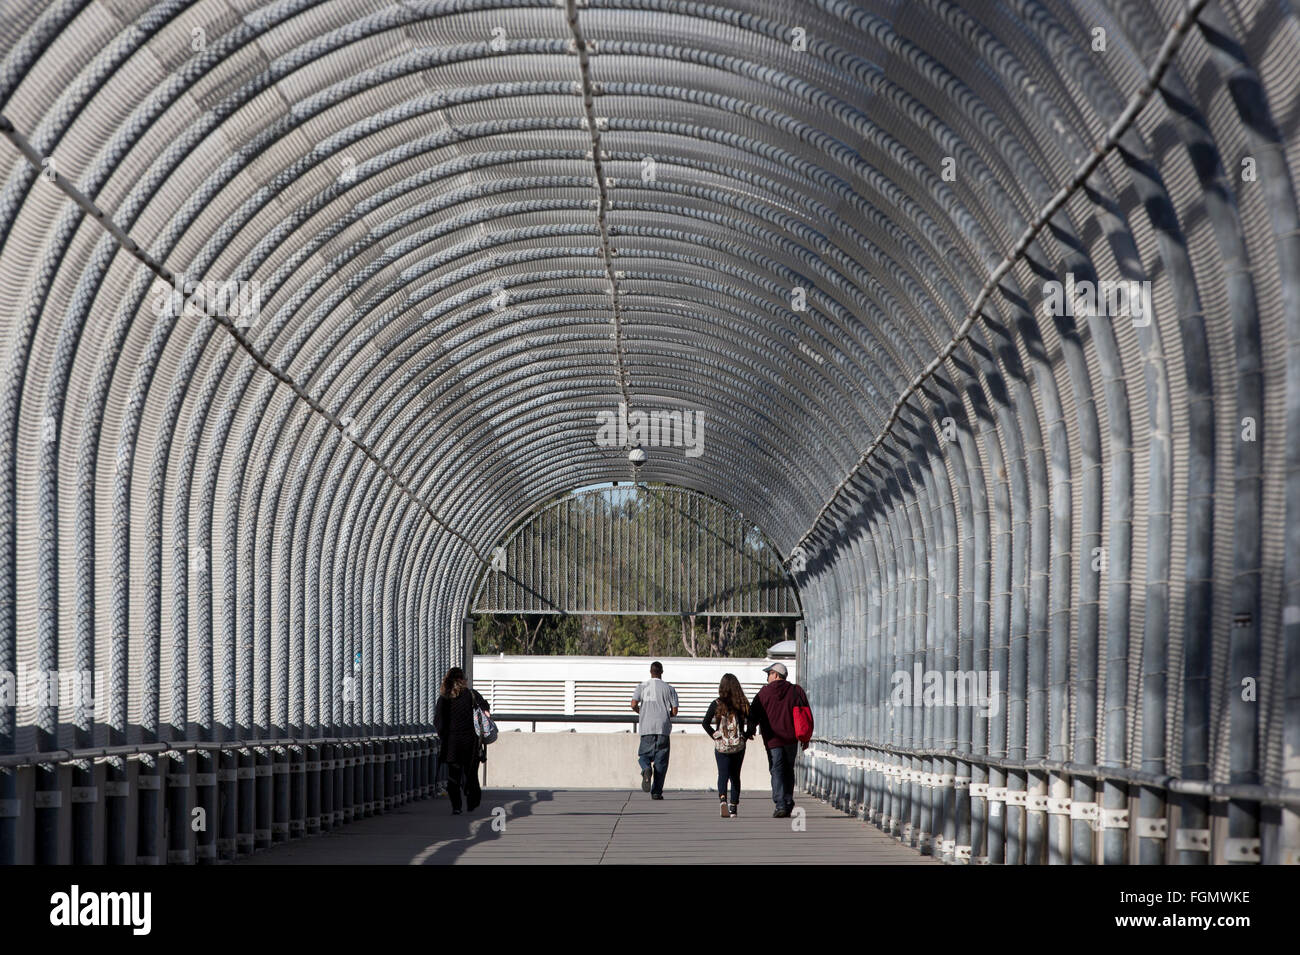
x,y
580,686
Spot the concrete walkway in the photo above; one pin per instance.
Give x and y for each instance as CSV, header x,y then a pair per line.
x,y
520,827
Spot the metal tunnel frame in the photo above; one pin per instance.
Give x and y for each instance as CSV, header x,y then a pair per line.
x,y
267,536
637,549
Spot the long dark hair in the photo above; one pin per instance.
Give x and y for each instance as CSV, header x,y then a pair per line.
x,y
453,682
731,697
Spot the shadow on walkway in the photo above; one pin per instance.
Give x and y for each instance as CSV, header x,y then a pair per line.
x,y
489,822
597,827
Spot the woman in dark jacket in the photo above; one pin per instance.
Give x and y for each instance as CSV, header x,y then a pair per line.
x,y
454,722
730,710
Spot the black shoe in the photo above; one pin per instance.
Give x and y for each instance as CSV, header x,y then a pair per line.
x,y
645,780
781,814
731,810
656,795
455,812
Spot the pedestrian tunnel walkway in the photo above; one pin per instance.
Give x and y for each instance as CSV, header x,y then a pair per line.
x,y
599,827
985,315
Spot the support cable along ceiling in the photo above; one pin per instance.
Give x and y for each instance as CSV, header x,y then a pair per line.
x,y
1168,50
593,123
128,244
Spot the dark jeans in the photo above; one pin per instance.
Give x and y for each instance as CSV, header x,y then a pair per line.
x,y
729,769
463,777
780,760
654,752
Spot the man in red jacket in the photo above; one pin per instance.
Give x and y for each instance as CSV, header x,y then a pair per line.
x,y
774,712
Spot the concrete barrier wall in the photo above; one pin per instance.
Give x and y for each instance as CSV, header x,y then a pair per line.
x,y
608,761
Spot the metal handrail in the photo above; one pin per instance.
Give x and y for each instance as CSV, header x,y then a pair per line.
x,y
1271,795
580,718
57,756
632,718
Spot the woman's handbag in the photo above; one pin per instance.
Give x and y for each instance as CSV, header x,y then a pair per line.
x,y
484,725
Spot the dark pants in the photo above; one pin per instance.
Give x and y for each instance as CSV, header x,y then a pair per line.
x,y
729,769
654,752
780,760
463,777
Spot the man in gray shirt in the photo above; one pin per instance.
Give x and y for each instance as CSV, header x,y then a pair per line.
x,y
656,702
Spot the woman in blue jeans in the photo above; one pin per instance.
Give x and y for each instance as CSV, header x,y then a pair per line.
x,y
729,711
